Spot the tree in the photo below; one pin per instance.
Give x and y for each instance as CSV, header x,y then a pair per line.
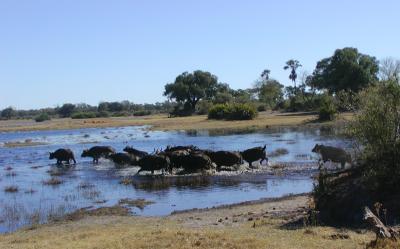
x,y
190,88
271,93
66,110
389,69
347,69
292,65
8,113
265,74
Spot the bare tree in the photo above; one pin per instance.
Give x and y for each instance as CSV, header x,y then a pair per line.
x,y
389,69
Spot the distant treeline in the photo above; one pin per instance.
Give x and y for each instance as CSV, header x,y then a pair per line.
x,y
82,110
332,87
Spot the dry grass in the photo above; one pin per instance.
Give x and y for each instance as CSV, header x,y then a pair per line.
x,y
25,143
261,225
162,122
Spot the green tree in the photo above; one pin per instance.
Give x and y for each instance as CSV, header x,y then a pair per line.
x,y
292,65
8,113
190,88
347,69
66,110
270,92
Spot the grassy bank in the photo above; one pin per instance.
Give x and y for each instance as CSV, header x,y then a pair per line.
x,y
271,224
162,122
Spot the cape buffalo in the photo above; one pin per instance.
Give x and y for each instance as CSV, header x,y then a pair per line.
x,y
185,147
196,161
97,152
255,154
62,155
153,162
224,158
135,152
329,153
122,159
177,158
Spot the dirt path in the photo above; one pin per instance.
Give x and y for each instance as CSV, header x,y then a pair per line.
x,y
272,223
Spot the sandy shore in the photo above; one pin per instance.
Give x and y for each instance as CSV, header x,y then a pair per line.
x,y
270,223
162,122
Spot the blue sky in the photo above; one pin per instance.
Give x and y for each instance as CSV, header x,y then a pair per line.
x,y
53,52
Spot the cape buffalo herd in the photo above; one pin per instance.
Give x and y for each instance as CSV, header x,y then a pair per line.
x,y
189,158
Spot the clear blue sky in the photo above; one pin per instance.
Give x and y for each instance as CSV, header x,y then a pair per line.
x,y
52,52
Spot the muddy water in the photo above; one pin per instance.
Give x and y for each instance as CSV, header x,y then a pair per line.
x,y
86,185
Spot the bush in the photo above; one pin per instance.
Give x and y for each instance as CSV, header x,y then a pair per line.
x,y
234,111
328,111
142,113
82,115
261,108
203,106
120,114
102,114
42,117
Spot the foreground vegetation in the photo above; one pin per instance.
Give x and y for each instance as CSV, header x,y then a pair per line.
x,y
272,224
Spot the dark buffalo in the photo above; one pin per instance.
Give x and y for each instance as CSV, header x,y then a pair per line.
x,y
196,161
122,159
177,158
180,148
63,155
153,162
255,154
224,158
329,153
97,152
135,152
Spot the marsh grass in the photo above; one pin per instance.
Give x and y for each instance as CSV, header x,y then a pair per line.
x,y
139,203
11,189
53,181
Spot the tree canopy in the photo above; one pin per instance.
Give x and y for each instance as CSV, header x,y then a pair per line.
x,y
347,69
189,88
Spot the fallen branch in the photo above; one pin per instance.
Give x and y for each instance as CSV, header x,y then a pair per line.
x,y
379,228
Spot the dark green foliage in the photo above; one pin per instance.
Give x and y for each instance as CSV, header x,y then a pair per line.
x,y
66,110
102,114
327,111
292,65
142,113
190,88
232,111
347,69
8,113
270,93
261,108
82,115
203,106
42,117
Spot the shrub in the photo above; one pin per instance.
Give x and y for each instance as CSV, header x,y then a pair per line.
x,y
328,111
81,115
120,114
261,108
102,114
142,113
218,111
232,111
42,117
203,107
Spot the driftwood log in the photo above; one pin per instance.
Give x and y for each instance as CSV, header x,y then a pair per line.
x,y
379,228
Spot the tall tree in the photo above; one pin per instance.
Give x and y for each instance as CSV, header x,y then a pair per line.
x,y
190,88
271,93
66,110
347,69
292,65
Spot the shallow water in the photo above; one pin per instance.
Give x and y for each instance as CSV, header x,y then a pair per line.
x,y
85,185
